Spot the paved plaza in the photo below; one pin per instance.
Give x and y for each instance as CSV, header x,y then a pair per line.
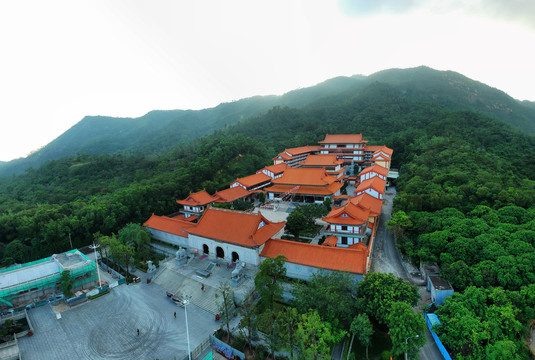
x,y
106,328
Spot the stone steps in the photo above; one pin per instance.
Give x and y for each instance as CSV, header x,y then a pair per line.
x,y
176,283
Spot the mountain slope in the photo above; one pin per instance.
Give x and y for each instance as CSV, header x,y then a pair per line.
x,y
457,92
159,131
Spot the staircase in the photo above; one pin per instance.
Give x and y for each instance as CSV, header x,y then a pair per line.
x,y
171,280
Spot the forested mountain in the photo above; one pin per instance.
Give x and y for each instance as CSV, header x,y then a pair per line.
x,y
159,131
467,186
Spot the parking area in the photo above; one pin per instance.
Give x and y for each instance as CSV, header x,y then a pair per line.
x,y
106,327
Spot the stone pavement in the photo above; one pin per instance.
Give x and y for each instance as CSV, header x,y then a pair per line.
x,y
183,279
105,328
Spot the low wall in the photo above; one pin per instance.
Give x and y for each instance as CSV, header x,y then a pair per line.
x,y
440,346
23,314
10,354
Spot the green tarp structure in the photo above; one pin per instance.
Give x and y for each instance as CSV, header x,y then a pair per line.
x,y
209,356
6,302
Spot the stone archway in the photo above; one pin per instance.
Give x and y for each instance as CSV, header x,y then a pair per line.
x,y
205,249
219,252
235,256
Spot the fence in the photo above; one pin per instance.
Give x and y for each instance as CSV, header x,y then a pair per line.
x,y
432,319
76,300
195,353
113,272
225,349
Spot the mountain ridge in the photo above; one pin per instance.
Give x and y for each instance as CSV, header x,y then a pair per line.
x,y
160,130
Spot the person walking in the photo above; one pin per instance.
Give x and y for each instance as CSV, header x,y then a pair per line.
x,y
137,332
202,287
174,314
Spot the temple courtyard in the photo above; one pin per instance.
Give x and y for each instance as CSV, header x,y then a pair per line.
x,y
106,327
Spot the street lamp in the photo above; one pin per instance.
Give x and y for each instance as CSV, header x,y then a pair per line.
x,y
95,247
406,343
186,300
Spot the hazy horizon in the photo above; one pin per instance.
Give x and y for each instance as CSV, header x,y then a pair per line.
x,y
66,60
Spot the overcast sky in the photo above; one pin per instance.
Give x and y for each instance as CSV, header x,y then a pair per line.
x,y
62,60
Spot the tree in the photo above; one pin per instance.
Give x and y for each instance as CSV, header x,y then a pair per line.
x,y
319,292
137,236
126,252
242,205
312,212
247,311
270,323
378,292
314,337
328,202
107,243
399,223
296,222
267,280
362,327
66,283
289,318
225,307
16,250
404,323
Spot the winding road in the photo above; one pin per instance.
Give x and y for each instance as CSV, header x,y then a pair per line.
x,y
387,259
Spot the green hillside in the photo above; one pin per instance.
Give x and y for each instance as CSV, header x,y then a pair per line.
x,y
159,131
457,92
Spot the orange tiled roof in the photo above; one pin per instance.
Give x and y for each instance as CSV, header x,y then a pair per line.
x,y
339,172
330,240
305,177
302,149
275,169
231,194
253,180
197,199
358,246
309,190
375,156
355,215
169,225
385,150
343,139
283,156
366,201
236,227
184,218
322,160
318,256
381,170
287,154
373,148
374,183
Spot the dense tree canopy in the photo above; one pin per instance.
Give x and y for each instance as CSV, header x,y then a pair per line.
x,y
378,292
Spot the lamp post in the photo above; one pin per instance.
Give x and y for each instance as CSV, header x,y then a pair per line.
x,y
186,302
407,344
95,247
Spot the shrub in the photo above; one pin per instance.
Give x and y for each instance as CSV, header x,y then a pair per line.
x,y
99,295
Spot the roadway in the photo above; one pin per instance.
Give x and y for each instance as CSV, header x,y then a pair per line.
x,y
386,258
